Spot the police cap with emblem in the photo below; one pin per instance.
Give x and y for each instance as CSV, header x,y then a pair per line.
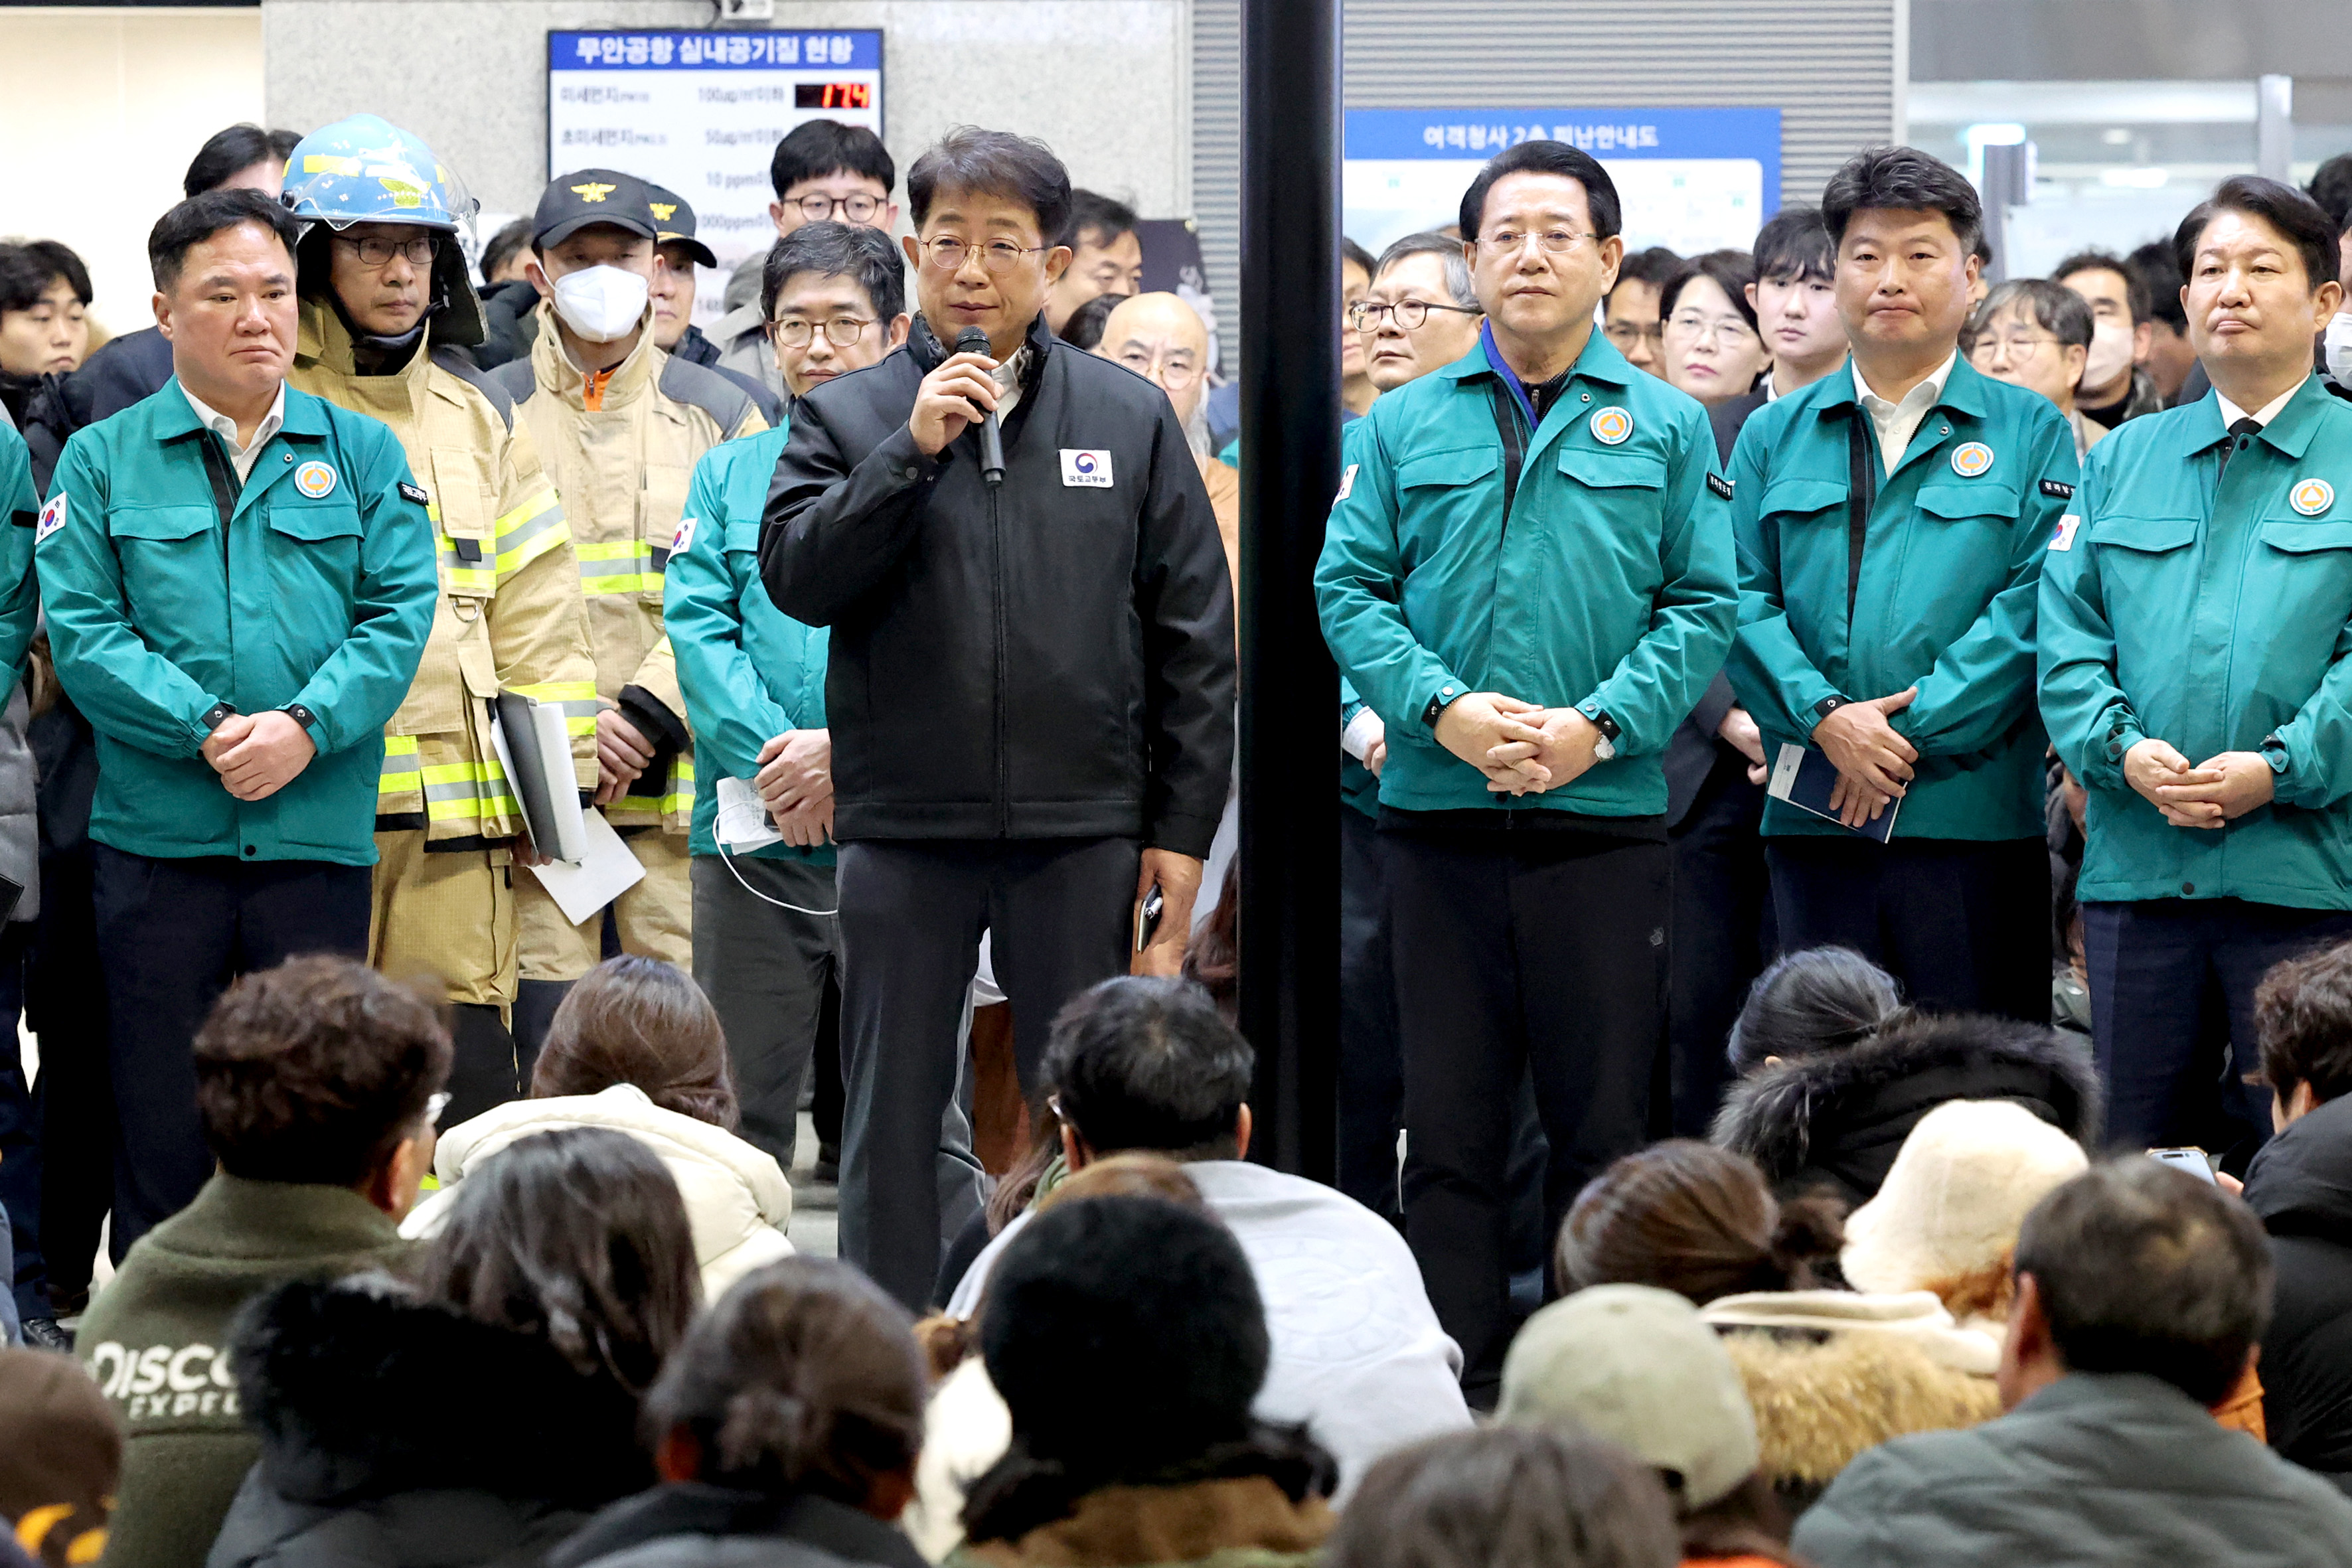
x,y
572,202
674,224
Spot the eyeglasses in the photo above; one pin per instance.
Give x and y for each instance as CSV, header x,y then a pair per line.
x,y
997,256
1553,241
2016,345
1365,315
1625,335
857,209
1174,374
1698,329
376,251
841,332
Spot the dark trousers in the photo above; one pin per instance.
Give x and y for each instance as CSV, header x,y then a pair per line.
x,y
1545,951
484,1071
20,1135
2160,967
911,915
765,969
1723,931
1964,926
1372,1074
65,1006
172,935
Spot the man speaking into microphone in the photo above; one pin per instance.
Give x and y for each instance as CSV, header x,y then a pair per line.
x,y
1030,687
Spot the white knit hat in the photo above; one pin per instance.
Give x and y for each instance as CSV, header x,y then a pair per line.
x,y
1959,1188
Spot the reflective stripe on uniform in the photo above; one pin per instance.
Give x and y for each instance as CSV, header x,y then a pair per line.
x,y
576,697
527,532
467,790
401,767
620,566
679,796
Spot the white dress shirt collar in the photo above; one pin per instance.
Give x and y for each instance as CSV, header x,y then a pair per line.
x,y
1898,422
2231,413
213,419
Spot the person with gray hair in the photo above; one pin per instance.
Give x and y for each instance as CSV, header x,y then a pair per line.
x,y
1420,314
2142,1292
2034,334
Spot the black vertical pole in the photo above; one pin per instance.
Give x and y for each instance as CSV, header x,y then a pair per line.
x,y
1289,926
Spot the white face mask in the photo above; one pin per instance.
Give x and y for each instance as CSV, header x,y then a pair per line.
x,y
2339,348
2111,353
601,303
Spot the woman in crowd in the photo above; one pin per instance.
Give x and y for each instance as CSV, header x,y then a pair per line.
x,y
1637,1366
1828,1371
482,1413
1822,1105
2300,1187
1129,1341
635,1047
1713,348
43,319
1508,1497
786,1429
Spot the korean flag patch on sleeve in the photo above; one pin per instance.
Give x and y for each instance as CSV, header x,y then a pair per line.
x,y
684,536
2064,539
52,517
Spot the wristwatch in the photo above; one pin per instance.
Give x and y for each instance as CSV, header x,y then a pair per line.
x,y
1605,748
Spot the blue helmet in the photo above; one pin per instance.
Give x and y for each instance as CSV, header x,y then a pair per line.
x,y
365,169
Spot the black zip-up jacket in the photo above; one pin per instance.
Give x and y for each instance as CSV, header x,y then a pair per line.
x,y
1050,659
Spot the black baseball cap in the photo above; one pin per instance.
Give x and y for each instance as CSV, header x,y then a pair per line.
x,y
674,222
572,202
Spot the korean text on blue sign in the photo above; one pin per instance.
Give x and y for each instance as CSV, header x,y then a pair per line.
x,y
859,50
1682,133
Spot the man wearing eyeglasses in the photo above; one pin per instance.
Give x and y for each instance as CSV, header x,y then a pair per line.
x,y
386,311
1892,520
824,171
1528,574
1030,688
765,938
1630,315
620,426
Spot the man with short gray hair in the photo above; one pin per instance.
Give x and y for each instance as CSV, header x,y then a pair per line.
x,y
2142,1292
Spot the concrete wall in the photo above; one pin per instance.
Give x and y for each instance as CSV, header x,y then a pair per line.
x,y
104,107
1105,82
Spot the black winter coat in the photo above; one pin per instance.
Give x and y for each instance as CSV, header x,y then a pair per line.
x,y
1837,1119
127,370
2299,1184
691,1525
398,1434
1051,660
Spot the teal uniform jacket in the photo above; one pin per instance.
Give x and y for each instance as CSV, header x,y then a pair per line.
x,y
319,589
1951,557
20,597
1608,587
2211,608
750,672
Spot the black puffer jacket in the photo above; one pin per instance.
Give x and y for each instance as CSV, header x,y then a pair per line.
x,y
1054,659
2301,1186
1837,1119
399,1433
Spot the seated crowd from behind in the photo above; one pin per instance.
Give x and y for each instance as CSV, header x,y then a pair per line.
x,y
2006,1352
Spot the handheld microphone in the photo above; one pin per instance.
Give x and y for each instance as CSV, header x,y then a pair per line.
x,y
972,341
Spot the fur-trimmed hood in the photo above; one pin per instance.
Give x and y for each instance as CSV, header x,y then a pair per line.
x,y
1819,1403
1837,1119
360,1390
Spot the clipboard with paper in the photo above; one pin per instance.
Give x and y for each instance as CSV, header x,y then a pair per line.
x,y
587,864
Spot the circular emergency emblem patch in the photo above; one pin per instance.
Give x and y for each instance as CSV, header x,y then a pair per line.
x,y
1972,459
315,480
2311,497
1611,425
